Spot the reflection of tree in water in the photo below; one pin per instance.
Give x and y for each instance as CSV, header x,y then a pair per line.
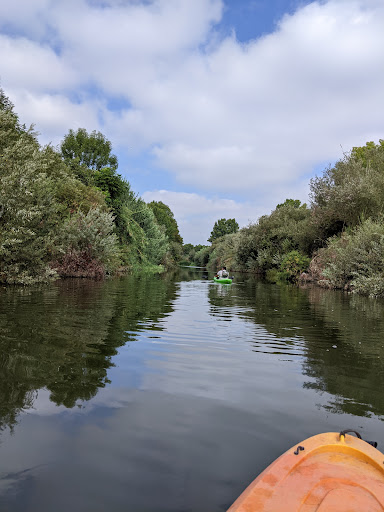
x,y
192,274
317,320
353,372
275,308
63,337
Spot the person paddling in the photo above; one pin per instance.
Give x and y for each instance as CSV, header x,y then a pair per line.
x,y
222,273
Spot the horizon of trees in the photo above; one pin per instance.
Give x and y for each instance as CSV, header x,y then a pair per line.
x,y
67,212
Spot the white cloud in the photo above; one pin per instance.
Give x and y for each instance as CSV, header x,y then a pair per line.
x,y
25,16
227,168
268,111
26,64
55,114
219,115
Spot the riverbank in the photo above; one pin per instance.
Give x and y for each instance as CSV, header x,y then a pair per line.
x,y
66,212
337,241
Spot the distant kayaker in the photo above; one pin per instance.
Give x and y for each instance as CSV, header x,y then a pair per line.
x,y
222,273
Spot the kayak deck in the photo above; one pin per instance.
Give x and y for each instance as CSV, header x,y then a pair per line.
x,y
225,280
331,473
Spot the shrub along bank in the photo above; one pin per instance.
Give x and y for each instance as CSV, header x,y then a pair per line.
x,y
338,241
68,213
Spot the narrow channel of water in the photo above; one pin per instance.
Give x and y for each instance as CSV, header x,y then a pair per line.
x,y
171,393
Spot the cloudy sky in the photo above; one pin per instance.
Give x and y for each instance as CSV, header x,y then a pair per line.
x,y
218,108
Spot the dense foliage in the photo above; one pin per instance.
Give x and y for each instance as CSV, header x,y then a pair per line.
x,y
68,212
354,260
28,204
350,191
338,241
195,255
165,217
84,152
263,245
223,227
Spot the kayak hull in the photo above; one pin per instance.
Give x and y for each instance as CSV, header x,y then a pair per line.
x,y
224,280
332,473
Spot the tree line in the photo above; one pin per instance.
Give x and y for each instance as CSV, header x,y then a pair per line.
x,y
337,241
67,212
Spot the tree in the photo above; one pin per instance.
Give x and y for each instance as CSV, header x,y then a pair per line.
x,y
364,153
147,236
5,102
262,246
294,203
165,217
89,155
85,245
28,206
38,196
223,227
187,248
85,152
350,191
111,183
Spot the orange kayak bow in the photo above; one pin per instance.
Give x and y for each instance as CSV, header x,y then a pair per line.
x,y
329,472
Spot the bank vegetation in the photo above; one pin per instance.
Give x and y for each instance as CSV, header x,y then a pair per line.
x,y
66,212
337,241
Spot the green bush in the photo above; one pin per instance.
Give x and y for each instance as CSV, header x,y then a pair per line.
x,y
355,260
223,251
350,191
292,265
202,256
28,207
272,275
262,246
85,245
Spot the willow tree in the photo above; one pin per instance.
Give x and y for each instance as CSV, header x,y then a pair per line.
x,y
166,218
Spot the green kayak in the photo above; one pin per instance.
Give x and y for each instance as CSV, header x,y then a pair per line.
x,y
224,280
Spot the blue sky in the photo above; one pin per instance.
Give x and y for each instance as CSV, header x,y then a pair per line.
x,y
219,108
252,19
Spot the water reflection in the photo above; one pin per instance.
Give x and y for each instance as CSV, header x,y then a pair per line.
x,y
63,337
171,393
339,337
348,361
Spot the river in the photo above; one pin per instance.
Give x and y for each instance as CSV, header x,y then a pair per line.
x,y
171,393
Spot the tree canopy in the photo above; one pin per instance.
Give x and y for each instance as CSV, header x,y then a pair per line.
x,y
83,150
294,203
351,190
223,227
165,217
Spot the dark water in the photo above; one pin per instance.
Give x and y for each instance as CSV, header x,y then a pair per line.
x,y
170,394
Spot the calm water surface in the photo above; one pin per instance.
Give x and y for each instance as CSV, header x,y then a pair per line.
x,y
170,394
